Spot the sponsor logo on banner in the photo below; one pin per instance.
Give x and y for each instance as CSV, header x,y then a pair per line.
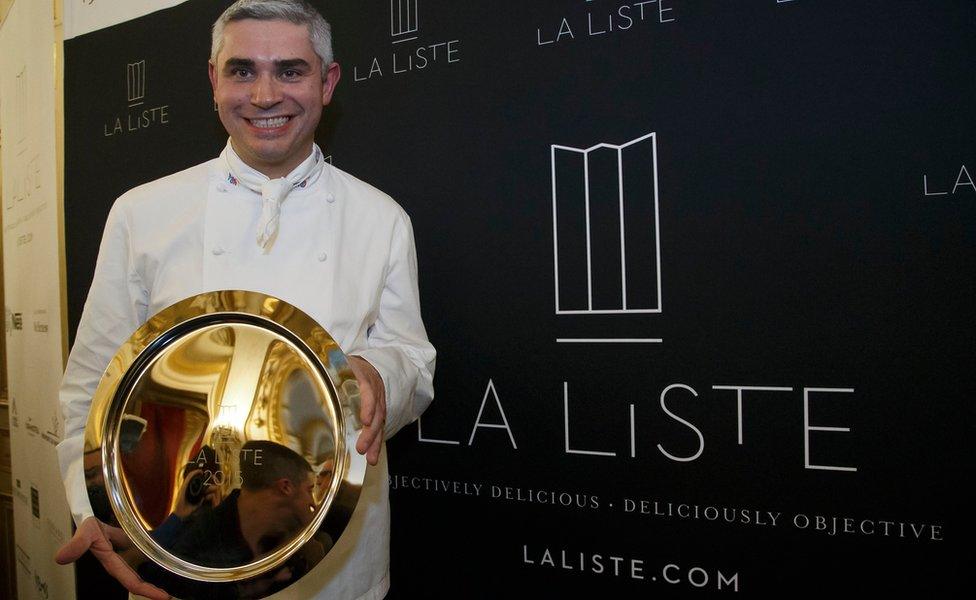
x,y
26,181
18,127
56,533
409,53
14,420
600,18
606,242
20,494
23,559
962,183
139,113
24,169
35,505
40,321
40,586
55,429
32,429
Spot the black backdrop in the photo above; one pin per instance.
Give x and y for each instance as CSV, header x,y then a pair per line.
x,y
800,219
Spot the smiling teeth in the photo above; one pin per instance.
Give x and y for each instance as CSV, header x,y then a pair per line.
x,y
269,123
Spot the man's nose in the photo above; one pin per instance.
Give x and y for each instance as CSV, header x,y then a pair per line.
x,y
266,92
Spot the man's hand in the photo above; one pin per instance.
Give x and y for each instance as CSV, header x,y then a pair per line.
x,y
372,411
211,496
102,540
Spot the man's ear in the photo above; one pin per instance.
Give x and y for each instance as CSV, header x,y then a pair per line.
x,y
212,72
329,83
285,486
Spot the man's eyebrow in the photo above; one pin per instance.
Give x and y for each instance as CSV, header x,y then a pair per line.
x,y
237,63
286,63
291,63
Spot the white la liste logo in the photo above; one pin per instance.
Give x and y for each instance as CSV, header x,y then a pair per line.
x,y
136,82
137,116
408,54
403,18
605,226
596,18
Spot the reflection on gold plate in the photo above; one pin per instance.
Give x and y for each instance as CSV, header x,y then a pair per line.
x,y
222,441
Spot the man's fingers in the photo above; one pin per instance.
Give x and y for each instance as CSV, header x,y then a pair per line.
x,y
92,535
117,537
367,399
73,548
373,453
85,536
121,571
367,406
366,438
372,411
380,414
371,390
371,440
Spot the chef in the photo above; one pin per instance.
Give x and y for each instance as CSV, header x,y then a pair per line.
x,y
267,215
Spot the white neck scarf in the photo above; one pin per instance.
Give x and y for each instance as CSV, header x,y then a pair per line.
x,y
273,191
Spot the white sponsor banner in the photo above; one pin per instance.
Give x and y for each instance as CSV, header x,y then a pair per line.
x,y
33,297
85,16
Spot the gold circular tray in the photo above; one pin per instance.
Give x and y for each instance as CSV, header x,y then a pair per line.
x,y
222,441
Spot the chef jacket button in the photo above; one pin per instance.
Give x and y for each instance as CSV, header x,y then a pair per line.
x,y
323,256
217,251
330,199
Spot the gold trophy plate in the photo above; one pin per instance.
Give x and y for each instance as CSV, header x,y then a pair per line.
x,y
221,440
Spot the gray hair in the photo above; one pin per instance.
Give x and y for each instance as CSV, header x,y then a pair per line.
x,y
298,12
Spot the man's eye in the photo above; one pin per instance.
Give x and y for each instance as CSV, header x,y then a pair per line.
x,y
240,72
291,74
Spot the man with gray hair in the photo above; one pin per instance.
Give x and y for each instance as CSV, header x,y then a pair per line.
x,y
268,215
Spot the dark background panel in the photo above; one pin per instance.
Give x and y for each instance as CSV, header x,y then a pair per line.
x,y
815,209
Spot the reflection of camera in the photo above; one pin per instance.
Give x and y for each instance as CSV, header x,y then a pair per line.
x,y
207,461
131,432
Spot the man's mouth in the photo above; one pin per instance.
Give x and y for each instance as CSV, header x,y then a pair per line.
x,y
270,123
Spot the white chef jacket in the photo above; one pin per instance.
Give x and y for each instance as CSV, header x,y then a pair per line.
x,y
344,254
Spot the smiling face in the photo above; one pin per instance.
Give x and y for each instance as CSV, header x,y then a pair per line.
x,y
269,89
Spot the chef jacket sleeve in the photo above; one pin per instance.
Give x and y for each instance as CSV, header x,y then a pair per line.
x,y
117,304
397,344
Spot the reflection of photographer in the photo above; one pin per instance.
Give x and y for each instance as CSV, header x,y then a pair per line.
x,y
197,492
200,478
205,465
274,504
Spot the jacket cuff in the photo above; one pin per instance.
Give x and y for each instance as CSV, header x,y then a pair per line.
x,y
73,473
